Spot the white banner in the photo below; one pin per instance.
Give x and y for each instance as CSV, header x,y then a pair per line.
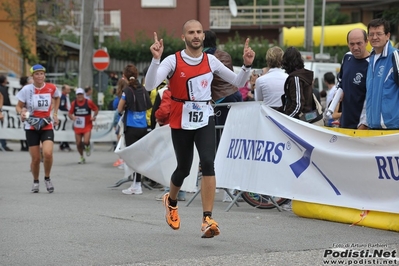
x,y
12,127
266,152
153,156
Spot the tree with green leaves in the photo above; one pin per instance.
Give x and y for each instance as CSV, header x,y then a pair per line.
x,y
392,15
138,51
56,15
23,22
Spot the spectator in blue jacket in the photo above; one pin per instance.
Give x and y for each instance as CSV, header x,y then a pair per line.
x,y
382,96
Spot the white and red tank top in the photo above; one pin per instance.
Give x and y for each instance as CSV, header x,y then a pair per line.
x,y
38,101
188,83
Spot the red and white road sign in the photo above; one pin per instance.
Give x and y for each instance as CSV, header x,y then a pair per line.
x,y
100,60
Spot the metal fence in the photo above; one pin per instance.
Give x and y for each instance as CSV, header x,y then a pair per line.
x,y
287,15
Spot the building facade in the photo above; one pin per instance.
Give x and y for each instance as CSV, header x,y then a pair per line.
x,y
366,10
148,16
11,61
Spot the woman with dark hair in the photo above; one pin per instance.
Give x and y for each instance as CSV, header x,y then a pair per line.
x,y
298,100
121,84
134,102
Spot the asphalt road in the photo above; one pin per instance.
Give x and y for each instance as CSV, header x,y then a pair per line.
x,y
84,222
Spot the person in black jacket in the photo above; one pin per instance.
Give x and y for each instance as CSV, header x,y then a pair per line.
x,y
298,101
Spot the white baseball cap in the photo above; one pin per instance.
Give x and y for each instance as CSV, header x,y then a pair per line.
x,y
80,91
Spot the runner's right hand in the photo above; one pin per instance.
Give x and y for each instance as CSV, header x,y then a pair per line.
x,y
157,47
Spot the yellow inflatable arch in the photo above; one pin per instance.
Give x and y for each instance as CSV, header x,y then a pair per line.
x,y
334,35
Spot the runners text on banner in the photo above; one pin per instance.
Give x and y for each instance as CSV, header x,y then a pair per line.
x,y
171,213
209,228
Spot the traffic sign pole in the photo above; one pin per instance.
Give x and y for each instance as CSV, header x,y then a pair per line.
x,y
100,63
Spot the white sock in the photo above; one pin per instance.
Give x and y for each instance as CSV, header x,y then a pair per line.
x,y
137,185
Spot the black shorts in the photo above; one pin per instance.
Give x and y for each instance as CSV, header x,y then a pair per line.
x,y
34,137
133,134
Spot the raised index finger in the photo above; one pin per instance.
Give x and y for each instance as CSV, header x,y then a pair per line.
x,y
155,37
246,45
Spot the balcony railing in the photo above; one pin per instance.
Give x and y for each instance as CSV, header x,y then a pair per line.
x,y
10,59
286,15
220,18
109,21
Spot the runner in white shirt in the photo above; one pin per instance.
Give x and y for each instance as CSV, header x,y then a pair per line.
x,y
35,103
190,74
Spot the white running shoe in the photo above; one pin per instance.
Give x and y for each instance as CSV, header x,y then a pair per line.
x,y
82,160
49,186
133,191
35,188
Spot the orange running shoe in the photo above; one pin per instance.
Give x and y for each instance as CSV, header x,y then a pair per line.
x,y
209,228
118,162
171,213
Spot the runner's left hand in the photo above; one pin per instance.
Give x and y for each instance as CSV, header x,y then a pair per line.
x,y
249,54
